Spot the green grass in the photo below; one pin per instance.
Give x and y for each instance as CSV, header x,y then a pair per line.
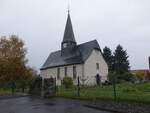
x,y
143,87
9,91
139,92
5,92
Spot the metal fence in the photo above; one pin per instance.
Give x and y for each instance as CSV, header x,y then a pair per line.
x,y
14,86
115,92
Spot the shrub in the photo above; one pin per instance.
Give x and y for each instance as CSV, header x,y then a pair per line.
x,y
128,76
35,86
112,76
23,86
107,83
140,76
67,82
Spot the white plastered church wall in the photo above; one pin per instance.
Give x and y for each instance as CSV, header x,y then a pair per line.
x,y
52,72
86,71
90,70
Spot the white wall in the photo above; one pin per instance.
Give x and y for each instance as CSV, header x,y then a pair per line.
x,y
90,70
52,72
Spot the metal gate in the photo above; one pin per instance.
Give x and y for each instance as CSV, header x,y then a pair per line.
x,y
48,87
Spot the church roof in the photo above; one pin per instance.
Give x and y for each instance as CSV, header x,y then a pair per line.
x,y
69,34
82,52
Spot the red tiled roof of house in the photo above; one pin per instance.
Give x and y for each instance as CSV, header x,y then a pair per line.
x,y
146,71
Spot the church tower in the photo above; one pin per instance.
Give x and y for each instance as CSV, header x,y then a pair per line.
x,y
68,42
75,60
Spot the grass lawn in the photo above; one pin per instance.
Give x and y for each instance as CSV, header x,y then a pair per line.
x,y
142,87
125,92
9,91
4,92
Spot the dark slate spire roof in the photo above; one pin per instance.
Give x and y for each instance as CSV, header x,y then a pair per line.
x,y
83,51
69,34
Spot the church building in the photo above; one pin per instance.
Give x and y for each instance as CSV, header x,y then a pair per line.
x,y
75,60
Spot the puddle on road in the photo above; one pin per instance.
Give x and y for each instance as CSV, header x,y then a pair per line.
x,y
40,104
37,104
49,104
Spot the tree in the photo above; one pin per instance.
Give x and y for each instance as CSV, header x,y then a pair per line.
x,y
148,75
107,54
112,77
128,76
33,70
140,76
13,60
121,62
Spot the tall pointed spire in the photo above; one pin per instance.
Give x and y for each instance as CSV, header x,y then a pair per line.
x,y
69,34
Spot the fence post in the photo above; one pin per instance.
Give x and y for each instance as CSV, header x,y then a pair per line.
x,y
42,91
55,85
114,87
13,87
78,86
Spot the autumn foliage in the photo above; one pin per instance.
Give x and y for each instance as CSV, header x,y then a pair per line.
x,y
13,60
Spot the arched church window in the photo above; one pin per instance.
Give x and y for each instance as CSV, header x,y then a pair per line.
x,y
65,71
74,72
58,73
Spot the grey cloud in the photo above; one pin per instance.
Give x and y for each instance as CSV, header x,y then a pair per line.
x,y
41,24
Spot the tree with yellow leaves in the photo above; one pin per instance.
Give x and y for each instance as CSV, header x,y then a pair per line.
x,y
13,60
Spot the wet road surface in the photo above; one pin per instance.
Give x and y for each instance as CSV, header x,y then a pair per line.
x,y
39,105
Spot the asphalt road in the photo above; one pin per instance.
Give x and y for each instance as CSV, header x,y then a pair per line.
x,y
39,105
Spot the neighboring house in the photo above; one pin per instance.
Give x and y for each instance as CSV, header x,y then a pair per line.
x,y
145,71
83,60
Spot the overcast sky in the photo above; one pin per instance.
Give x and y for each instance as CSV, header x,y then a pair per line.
x,y
41,23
